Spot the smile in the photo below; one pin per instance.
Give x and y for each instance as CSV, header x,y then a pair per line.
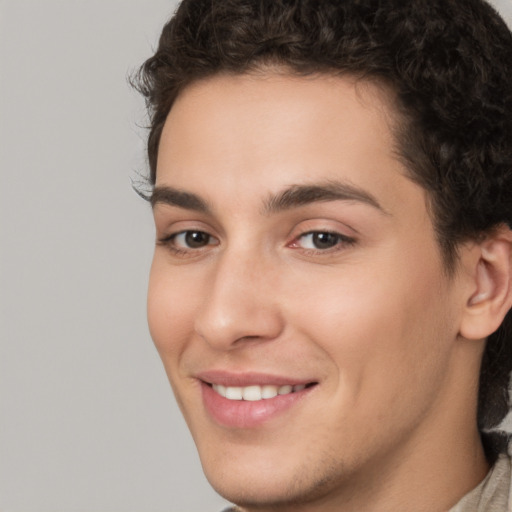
x,y
241,402
255,393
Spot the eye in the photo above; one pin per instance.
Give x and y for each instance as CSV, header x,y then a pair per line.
x,y
189,241
322,240
192,239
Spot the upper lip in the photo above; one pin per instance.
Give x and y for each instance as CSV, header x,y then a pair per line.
x,y
243,379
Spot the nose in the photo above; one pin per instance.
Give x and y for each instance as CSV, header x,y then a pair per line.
x,y
239,304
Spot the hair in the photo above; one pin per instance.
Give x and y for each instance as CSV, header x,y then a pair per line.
x,y
449,65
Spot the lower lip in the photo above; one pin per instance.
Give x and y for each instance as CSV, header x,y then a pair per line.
x,y
246,413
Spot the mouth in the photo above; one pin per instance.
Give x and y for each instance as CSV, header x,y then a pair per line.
x,y
247,401
255,393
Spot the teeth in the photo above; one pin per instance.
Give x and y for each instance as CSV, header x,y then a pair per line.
x,y
252,393
234,393
268,391
255,393
284,390
220,389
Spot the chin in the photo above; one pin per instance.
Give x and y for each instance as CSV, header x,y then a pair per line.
x,y
266,482
262,493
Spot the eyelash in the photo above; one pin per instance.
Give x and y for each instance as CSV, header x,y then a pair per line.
x,y
170,242
341,241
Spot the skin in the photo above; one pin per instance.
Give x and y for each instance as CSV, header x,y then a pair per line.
x,y
373,320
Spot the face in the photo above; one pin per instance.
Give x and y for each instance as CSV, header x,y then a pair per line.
x,y
297,296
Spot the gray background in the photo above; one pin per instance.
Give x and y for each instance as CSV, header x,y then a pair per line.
x,y
87,419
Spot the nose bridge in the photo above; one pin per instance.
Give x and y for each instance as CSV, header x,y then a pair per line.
x,y
239,303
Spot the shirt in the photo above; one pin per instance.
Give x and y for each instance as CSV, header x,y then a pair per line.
x,y
494,493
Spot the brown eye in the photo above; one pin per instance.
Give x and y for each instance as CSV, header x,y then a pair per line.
x,y
190,240
324,240
193,239
189,243
321,240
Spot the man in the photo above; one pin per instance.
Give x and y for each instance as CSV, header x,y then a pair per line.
x,y
331,285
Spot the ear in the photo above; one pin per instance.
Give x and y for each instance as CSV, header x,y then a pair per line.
x,y
490,291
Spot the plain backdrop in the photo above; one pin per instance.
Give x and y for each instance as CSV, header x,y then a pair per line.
x,y
87,419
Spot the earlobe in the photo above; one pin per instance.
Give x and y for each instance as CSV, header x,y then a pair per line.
x,y
491,292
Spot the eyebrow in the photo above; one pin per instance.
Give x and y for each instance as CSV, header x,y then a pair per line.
x,y
292,197
300,195
179,198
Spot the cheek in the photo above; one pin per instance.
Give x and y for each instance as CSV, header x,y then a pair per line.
x,y
170,309
382,329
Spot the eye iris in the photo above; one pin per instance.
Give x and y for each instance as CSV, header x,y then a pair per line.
x,y
195,239
324,240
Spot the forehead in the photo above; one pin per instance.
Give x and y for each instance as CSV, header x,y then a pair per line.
x,y
276,121
275,95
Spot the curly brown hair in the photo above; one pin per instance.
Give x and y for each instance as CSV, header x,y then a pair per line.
x,y
449,63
